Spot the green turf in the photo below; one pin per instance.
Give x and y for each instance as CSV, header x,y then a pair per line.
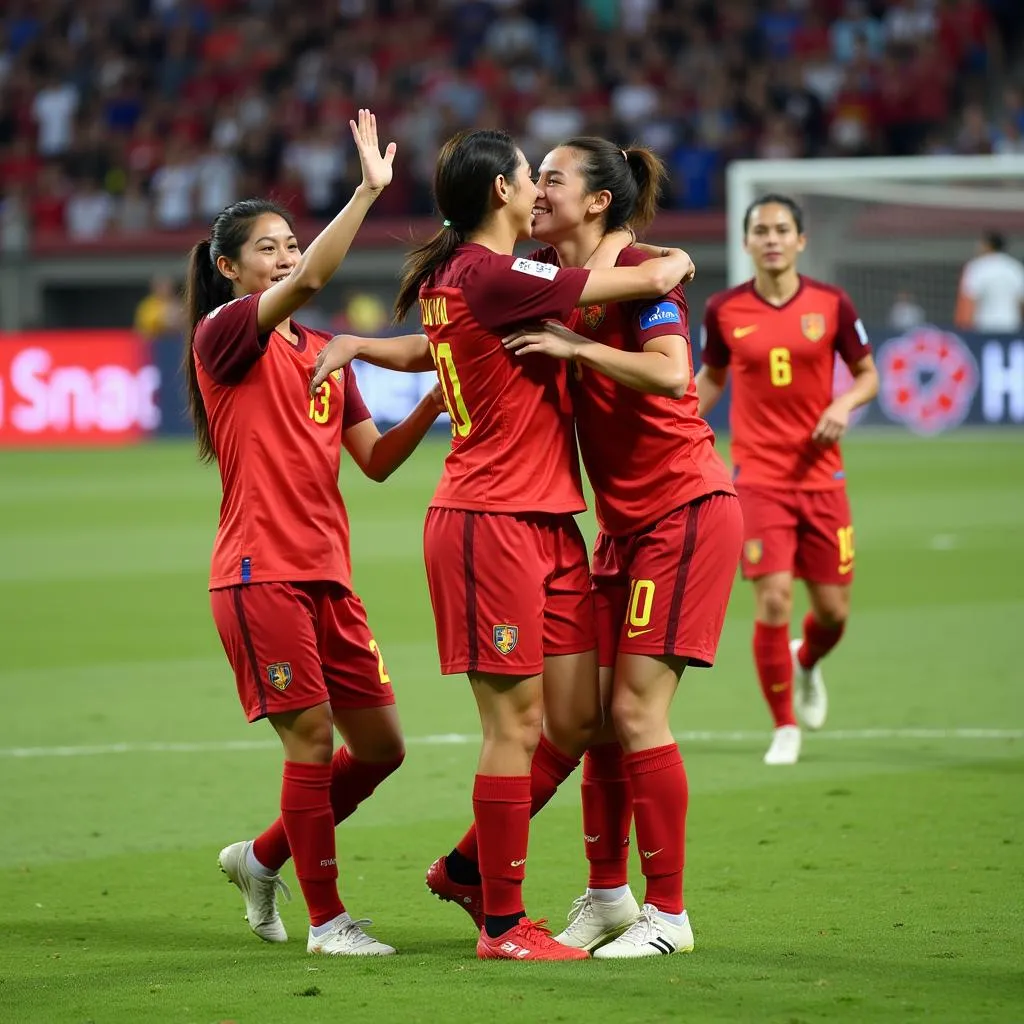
x,y
880,880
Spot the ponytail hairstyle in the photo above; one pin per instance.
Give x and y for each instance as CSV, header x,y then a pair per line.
x,y
634,177
463,183
206,288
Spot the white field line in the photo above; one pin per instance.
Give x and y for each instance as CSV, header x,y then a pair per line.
x,y
461,739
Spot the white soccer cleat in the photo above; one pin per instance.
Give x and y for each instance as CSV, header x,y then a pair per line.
x,y
593,921
785,748
810,701
260,894
649,935
347,938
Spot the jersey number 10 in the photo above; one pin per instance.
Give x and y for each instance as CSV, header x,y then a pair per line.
x,y
451,388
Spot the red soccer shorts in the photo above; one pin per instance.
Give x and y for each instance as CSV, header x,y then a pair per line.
x,y
507,590
296,645
807,533
664,591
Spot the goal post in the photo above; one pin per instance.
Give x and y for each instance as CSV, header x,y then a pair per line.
x,y
885,228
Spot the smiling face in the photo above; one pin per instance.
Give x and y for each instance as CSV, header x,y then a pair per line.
x,y
521,195
563,203
267,256
773,240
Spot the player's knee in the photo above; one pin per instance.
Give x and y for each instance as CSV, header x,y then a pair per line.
x,y
572,730
631,718
832,616
774,606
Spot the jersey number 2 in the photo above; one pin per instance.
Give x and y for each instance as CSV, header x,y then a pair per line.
x,y
451,388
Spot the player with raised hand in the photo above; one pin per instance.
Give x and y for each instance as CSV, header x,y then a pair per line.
x,y
779,334
669,542
506,564
294,631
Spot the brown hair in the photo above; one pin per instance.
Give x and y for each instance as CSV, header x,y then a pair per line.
x,y
206,288
634,176
463,178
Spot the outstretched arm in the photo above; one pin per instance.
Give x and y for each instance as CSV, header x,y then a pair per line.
x,y
379,455
409,353
325,253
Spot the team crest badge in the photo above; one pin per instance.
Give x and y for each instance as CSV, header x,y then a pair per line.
x,y
593,316
505,638
813,326
753,550
280,675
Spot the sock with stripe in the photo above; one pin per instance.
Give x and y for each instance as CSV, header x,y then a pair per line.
x,y
775,671
660,796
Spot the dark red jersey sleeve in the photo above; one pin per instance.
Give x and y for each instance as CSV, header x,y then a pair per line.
x,y
852,342
668,315
505,291
228,342
714,351
354,410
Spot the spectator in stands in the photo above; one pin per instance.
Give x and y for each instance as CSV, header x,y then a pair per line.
x,y
991,294
159,314
89,211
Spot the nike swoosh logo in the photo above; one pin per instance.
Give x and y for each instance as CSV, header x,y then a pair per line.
x,y
518,863
779,687
742,332
651,853
631,633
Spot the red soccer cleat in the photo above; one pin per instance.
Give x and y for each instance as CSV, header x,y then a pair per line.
x,y
469,897
528,940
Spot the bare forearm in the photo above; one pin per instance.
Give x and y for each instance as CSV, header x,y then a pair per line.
x,y
329,248
409,353
651,372
394,447
708,393
865,387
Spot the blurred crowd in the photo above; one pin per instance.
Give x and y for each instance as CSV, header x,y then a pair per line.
x,y
138,115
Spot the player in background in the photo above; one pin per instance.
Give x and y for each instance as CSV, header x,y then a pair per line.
x,y
666,555
779,334
294,631
506,564
991,292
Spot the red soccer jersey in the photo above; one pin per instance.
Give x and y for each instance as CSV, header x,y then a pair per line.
x,y
281,515
513,448
782,360
645,454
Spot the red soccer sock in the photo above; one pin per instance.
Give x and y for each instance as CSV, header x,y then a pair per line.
x,y
501,809
607,812
352,782
548,770
818,641
775,670
660,795
309,824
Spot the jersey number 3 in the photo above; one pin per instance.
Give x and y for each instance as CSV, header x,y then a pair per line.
x,y
451,388
320,404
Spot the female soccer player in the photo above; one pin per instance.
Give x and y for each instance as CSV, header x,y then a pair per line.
x,y
667,551
294,632
506,564
780,334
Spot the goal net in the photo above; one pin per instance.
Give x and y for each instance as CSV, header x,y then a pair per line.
x,y
894,232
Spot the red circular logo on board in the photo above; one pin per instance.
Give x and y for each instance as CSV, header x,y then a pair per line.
x,y
928,379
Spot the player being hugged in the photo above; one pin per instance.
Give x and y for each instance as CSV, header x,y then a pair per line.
x,y
779,334
294,631
506,564
665,558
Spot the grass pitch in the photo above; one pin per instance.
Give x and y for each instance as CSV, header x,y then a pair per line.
x,y
879,880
